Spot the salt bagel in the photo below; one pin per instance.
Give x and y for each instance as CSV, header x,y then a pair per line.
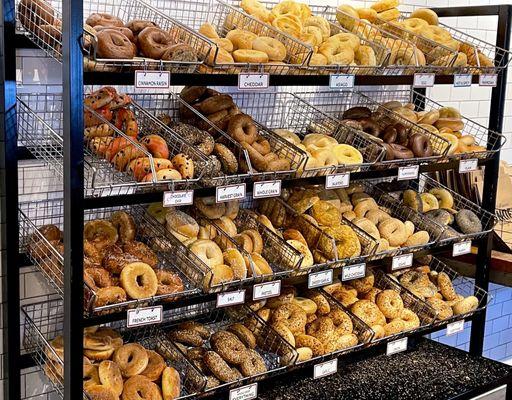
x,y
208,252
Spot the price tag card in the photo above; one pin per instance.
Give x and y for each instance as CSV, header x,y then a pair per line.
x,y
401,261
322,278
454,327
462,80
231,298
179,198
266,290
144,316
341,81
230,192
424,80
469,165
325,369
152,79
351,272
410,172
489,80
265,189
251,81
461,248
337,181
248,392
397,346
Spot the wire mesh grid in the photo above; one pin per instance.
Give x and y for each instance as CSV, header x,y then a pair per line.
x,y
425,184
426,314
398,211
275,351
37,181
335,104
44,324
158,105
47,256
224,18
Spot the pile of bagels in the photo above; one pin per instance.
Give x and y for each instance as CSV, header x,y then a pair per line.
x,y
129,154
39,18
297,20
114,370
221,110
379,305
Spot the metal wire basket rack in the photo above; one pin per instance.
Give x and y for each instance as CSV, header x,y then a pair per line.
x,y
282,110
463,286
275,351
44,321
50,40
224,18
321,244
425,184
158,104
335,103
48,258
483,136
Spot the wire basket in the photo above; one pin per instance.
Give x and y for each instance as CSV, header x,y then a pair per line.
x,y
398,211
224,17
158,104
483,136
37,181
424,184
51,40
275,351
335,103
45,321
287,111
322,245
49,260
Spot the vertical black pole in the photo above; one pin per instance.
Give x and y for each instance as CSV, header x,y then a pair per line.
x,y
9,199
72,72
483,260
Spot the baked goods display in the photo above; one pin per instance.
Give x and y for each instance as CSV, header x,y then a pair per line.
x,y
311,322
117,266
131,153
438,204
39,18
330,45
437,287
382,305
266,152
114,369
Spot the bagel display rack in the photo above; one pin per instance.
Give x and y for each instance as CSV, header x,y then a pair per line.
x,y
50,129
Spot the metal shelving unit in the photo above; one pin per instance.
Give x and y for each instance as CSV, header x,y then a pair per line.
x,y
75,204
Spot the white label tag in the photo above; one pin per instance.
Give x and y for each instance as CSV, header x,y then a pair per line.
x,y
230,192
179,198
337,181
152,79
424,80
231,298
144,316
454,327
461,248
402,261
253,81
248,392
341,81
488,80
322,278
462,80
265,189
351,272
266,290
469,165
396,346
325,369
406,173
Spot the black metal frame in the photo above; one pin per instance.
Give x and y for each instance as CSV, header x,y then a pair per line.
x,y
75,204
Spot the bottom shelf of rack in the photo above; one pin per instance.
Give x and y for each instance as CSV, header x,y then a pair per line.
x,y
428,370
